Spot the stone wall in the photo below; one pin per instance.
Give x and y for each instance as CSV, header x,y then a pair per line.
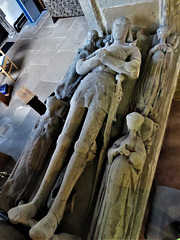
x,y
100,14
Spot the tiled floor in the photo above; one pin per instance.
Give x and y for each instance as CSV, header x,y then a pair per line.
x,y
43,53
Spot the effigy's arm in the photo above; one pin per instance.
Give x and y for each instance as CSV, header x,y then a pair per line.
x,y
129,68
84,66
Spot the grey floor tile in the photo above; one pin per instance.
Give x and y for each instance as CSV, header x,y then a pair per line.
x,y
81,20
30,77
58,66
23,59
40,38
43,90
43,33
76,37
50,47
19,46
49,23
63,27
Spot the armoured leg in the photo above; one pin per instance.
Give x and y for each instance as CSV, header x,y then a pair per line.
x,y
92,125
29,210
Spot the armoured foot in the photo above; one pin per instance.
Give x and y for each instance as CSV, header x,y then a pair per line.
x,y
45,228
22,213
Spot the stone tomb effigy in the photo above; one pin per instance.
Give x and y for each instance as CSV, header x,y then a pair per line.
x,y
93,154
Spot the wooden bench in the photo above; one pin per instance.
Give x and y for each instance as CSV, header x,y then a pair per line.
x,y
31,99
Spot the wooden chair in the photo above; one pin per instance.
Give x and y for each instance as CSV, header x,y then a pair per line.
x,y
6,65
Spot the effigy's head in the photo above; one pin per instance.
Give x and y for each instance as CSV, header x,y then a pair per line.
x,y
163,32
92,35
52,103
134,121
121,27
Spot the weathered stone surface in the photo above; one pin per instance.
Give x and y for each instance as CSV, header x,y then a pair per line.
x,y
109,76
34,158
120,186
95,92
101,14
149,17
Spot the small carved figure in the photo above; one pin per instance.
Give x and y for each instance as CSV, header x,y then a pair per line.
x,y
89,106
119,190
155,75
144,42
71,80
34,157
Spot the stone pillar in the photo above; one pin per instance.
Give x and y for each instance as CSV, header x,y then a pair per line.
x,y
92,15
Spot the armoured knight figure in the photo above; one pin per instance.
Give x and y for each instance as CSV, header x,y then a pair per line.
x,y
88,108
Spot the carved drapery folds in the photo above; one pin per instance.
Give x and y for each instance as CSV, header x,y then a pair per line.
x,y
123,190
119,190
170,10
103,86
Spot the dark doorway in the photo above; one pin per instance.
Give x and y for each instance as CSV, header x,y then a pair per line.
x,y
3,34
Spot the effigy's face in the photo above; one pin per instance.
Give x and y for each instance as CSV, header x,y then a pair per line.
x,y
120,28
